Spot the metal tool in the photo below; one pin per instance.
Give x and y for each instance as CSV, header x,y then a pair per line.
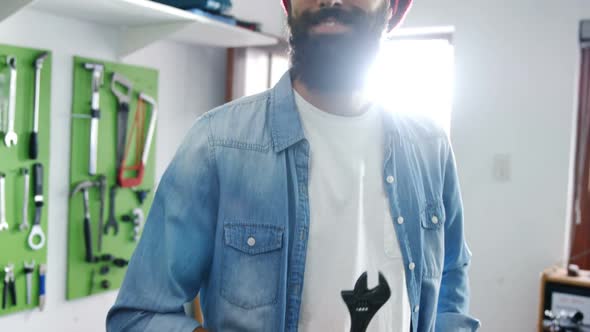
x,y
3,103
112,221
10,137
563,321
29,269
91,288
24,225
363,303
143,149
9,286
34,141
83,187
42,273
124,99
36,230
102,185
97,82
3,222
137,218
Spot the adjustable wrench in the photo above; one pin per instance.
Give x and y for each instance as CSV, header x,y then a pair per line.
x,y
3,223
102,186
34,142
363,303
97,82
36,230
112,221
10,137
24,225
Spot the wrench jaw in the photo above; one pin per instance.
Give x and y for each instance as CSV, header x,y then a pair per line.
x,y
363,303
36,232
10,139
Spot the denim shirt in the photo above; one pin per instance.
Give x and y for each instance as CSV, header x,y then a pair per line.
x,y
230,221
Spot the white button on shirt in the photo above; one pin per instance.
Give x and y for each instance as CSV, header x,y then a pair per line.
x,y
390,179
251,241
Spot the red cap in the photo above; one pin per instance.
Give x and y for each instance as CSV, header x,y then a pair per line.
x,y
400,9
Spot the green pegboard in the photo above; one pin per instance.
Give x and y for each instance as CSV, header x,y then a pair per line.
x,y
80,281
14,248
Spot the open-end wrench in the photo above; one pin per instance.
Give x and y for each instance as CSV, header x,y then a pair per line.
x,y
363,303
34,142
10,137
112,221
29,269
36,230
3,223
24,225
102,186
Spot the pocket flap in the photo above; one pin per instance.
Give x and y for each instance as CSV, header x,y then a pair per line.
x,y
433,216
253,239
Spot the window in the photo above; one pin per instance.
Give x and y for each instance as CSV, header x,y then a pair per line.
x,y
415,75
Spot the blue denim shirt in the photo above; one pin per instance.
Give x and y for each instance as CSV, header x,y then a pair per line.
x,y
230,221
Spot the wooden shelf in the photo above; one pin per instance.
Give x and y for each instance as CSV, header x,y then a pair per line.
x,y
144,22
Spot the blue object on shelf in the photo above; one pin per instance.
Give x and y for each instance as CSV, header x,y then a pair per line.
x,y
220,18
215,6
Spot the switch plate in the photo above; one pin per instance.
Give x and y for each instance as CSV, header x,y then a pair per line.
x,y
502,168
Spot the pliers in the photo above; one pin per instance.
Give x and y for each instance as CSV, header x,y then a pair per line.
x,y
9,285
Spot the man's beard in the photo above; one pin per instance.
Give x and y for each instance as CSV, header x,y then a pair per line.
x,y
335,62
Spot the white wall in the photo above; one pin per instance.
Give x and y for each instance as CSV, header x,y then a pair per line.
x,y
516,79
192,80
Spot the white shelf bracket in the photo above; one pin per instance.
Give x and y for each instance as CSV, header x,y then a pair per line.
x,y
10,7
134,39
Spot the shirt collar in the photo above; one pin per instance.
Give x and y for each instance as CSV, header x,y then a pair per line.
x,y
285,123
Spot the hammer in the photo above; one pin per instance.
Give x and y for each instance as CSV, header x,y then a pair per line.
x,y
83,187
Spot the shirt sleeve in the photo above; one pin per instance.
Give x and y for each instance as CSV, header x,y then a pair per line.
x,y
174,254
453,303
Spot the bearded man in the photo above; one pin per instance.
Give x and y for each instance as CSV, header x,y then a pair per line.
x,y
307,207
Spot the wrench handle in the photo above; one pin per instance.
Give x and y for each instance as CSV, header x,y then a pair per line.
x,y
38,184
34,146
88,240
4,294
93,142
12,98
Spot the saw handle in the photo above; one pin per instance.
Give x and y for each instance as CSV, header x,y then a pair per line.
x,y
134,181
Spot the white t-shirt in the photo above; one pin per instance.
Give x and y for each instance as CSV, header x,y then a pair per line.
x,y
351,229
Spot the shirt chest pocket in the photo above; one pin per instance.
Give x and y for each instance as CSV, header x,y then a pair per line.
x,y
251,264
432,220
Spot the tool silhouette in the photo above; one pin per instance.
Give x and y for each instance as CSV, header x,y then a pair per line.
x,y
363,303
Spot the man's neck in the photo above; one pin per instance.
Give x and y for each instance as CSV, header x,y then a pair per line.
x,y
338,103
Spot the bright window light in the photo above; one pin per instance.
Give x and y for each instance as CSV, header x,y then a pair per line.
x,y
415,76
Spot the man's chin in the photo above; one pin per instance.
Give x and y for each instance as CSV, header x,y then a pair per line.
x,y
331,80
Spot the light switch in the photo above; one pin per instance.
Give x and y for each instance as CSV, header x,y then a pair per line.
x,y
502,168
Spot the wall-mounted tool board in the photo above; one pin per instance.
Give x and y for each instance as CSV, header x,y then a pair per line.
x,y
84,278
14,248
